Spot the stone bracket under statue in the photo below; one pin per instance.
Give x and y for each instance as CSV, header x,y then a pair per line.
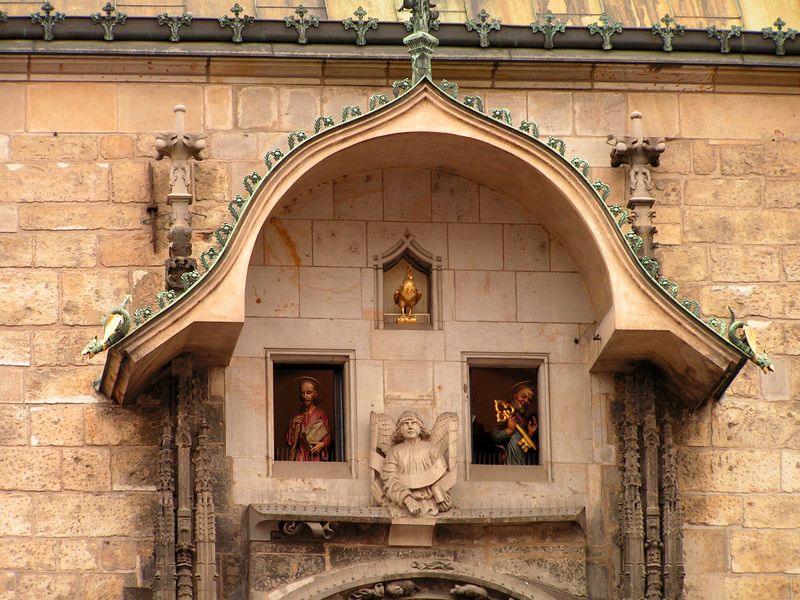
x,y
265,522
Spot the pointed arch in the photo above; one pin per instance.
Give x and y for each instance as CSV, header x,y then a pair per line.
x,y
634,318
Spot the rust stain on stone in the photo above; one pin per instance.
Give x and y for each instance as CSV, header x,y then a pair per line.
x,y
288,242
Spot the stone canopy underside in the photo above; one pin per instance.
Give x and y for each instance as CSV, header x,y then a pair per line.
x,y
635,318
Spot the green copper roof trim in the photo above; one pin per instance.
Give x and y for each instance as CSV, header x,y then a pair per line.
x,y
617,216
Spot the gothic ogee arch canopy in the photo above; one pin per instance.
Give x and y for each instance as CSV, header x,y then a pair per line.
x,y
638,312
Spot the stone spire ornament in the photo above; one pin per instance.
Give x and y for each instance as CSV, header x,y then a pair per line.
x,y
420,42
180,147
639,153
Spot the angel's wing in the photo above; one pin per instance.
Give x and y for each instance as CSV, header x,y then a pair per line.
x,y
381,428
444,435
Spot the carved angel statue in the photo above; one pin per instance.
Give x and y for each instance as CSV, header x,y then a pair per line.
x,y
414,468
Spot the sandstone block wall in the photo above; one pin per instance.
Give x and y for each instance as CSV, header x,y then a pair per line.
x,y
76,475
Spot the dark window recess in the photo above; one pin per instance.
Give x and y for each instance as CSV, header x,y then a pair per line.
x,y
287,382
495,392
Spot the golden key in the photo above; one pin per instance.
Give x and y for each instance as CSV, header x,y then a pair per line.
x,y
504,411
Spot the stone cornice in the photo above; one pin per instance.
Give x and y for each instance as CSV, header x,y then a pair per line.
x,y
139,61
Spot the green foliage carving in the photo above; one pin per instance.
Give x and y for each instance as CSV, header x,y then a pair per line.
x,y
361,26
48,20
401,86
377,100
237,23
581,165
504,115
296,137
602,188
165,298
557,144
249,181
669,30
301,23
208,258
323,122
350,111
483,28
174,24
450,88
475,102
723,36
549,28
607,30
529,127
275,155
108,20
223,233
235,207
779,36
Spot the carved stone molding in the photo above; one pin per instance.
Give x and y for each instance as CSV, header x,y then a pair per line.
x,y
440,577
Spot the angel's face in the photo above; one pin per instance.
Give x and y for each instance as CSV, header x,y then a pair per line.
x,y
410,429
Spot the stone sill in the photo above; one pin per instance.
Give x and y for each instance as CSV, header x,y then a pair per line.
x,y
262,519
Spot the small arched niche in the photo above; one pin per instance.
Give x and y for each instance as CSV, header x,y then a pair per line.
x,y
391,268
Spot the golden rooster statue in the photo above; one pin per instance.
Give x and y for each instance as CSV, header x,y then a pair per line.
x,y
116,325
406,298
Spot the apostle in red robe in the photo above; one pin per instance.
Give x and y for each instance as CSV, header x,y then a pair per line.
x,y
309,433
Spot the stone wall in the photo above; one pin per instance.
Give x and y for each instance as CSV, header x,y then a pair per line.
x,y
76,472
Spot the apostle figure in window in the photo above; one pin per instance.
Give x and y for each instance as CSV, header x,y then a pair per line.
x,y
309,433
516,430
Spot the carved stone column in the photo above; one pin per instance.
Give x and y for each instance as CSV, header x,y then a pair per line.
x,y
651,538
182,374
639,153
180,147
164,578
185,544
205,571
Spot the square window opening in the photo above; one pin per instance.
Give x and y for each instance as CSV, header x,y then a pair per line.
x,y
505,415
308,412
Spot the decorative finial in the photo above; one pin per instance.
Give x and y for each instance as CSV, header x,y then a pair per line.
x,y
109,20
640,153
420,42
483,28
780,36
607,30
301,23
180,147
551,26
174,24
237,24
47,20
361,25
723,36
670,29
